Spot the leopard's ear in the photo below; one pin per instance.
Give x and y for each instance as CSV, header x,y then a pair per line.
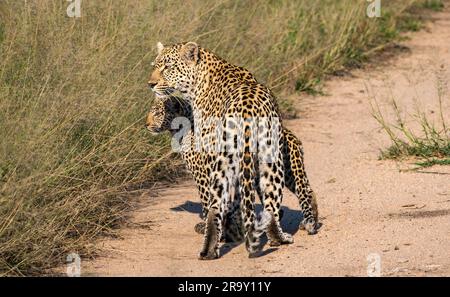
x,y
159,47
190,52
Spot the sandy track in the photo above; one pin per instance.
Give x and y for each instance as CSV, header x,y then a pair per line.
x,y
366,205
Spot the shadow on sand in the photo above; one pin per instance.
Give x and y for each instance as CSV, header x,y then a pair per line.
x,y
290,223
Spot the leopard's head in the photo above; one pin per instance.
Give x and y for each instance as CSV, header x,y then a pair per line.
x,y
175,68
160,115
163,112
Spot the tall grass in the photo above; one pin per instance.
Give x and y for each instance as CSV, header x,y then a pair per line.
x,y
73,96
416,134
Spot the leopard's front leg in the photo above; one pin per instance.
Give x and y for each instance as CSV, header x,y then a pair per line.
x,y
204,197
202,185
198,165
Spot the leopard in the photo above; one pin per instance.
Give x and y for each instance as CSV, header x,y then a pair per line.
x,y
162,117
228,108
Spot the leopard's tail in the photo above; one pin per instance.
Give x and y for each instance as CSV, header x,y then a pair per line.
x,y
234,231
262,224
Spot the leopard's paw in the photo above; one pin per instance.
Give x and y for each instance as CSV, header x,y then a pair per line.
x,y
285,238
310,226
208,255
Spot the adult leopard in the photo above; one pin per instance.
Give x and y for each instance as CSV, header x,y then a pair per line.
x,y
228,108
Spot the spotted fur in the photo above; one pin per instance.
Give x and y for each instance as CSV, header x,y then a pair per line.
x,y
215,91
161,116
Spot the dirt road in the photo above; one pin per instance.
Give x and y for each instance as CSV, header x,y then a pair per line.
x,y
366,205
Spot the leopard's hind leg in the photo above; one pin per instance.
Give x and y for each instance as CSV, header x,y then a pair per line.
x,y
219,186
271,177
271,184
297,181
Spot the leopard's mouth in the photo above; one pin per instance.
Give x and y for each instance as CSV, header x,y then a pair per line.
x,y
163,91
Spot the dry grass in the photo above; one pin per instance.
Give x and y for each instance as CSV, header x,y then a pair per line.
x,y
416,134
73,97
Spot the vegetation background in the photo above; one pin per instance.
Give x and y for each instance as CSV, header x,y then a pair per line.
x,y
73,97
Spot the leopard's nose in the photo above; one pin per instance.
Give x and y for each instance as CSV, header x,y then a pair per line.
x,y
151,84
